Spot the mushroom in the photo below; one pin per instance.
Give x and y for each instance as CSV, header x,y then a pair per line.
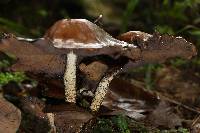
x,y
82,39
86,47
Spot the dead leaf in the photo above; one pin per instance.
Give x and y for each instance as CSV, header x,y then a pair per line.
x,y
32,59
94,71
164,117
127,99
196,128
34,118
10,117
69,117
158,48
172,83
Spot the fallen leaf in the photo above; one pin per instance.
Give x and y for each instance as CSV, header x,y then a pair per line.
x,y
69,117
172,83
164,117
127,99
34,118
10,117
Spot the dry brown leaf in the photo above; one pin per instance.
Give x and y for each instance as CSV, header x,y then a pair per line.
x,y
10,117
69,117
34,118
164,117
173,83
127,99
158,48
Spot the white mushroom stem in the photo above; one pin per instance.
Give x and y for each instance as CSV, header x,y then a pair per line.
x,y
70,78
102,90
51,122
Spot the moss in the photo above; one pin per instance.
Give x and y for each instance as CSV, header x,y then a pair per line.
x,y
121,123
112,124
8,76
103,126
179,130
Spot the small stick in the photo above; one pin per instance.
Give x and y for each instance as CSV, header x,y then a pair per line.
x,y
178,103
99,18
70,78
195,121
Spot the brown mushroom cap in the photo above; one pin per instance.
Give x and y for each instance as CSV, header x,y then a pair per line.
x,y
80,33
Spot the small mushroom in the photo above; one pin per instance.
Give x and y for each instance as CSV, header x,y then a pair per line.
x,y
80,38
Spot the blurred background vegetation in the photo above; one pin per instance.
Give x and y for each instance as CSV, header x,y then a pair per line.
x,y
31,18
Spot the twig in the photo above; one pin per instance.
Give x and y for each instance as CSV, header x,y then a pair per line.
x,y
98,19
168,99
178,103
195,121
